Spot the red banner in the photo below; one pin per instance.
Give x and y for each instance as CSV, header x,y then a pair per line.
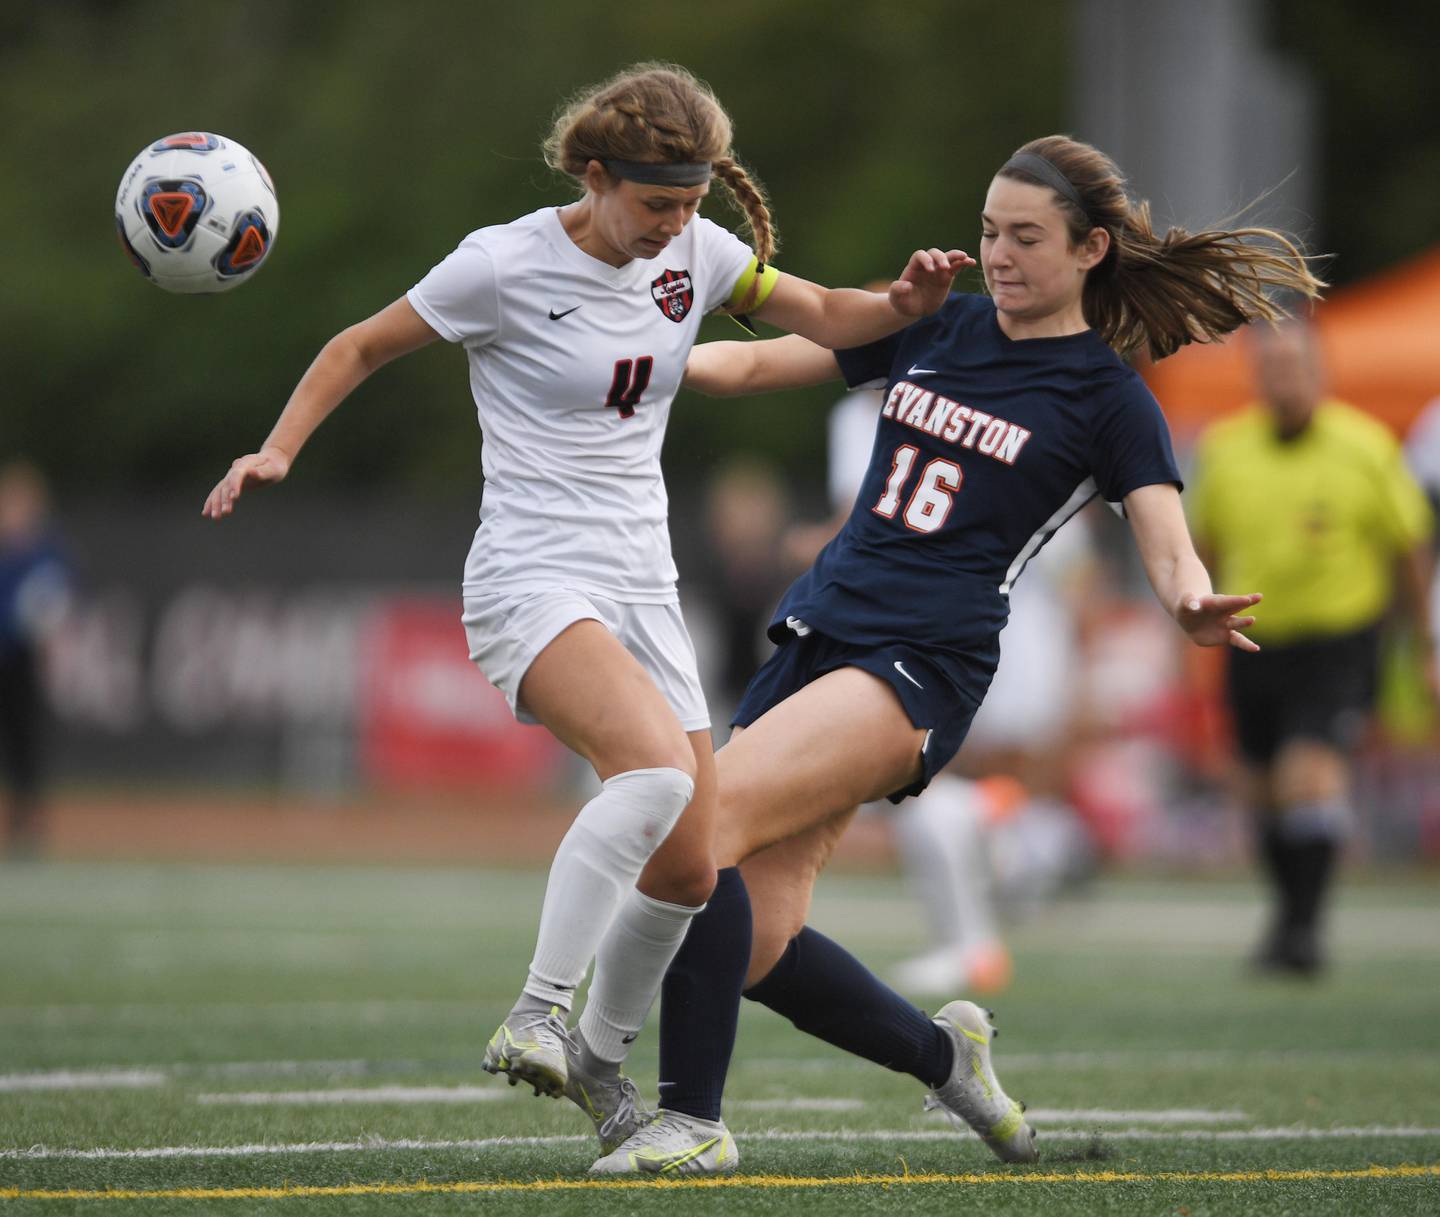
x,y
427,717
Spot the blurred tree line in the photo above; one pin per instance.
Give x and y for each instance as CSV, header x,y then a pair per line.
x,y
392,130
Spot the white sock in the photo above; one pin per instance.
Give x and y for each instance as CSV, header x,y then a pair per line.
x,y
629,967
941,840
596,865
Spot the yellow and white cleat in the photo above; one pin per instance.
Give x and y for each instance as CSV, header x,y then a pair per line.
x,y
971,1097
613,1103
673,1144
530,1048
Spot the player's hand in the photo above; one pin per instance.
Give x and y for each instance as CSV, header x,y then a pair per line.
x,y
1211,620
925,283
261,468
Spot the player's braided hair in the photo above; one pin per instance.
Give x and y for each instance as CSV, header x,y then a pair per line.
x,y
1161,292
657,112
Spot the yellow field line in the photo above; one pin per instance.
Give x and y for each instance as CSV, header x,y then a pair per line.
x,y
424,1188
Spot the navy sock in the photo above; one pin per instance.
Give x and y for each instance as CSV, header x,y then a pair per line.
x,y
828,993
700,1001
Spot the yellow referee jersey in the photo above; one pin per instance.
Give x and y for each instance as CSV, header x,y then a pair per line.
x,y
1315,522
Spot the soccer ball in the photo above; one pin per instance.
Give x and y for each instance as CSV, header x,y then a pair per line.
x,y
197,213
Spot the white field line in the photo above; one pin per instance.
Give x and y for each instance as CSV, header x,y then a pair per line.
x,y
1100,1115
374,1010
357,1094
1293,1133
114,1077
1195,1058
1052,1115
83,1079
289,1068
796,1104
102,1079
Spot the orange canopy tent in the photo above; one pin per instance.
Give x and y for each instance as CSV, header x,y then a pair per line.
x,y
1380,340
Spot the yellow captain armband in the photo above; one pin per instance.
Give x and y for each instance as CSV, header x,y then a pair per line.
x,y
752,289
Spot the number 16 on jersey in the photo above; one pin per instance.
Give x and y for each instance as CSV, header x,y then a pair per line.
x,y
930,501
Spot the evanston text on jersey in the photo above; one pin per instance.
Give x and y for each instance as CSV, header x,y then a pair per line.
x,y
937,415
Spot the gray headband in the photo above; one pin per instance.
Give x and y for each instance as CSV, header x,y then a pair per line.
x,y
661,173
1034,165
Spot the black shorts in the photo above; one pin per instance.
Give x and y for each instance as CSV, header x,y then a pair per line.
x,y
940,690
1320,689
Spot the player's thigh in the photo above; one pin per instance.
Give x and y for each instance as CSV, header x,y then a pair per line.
x,y
595,697
840,741
682,870
781,881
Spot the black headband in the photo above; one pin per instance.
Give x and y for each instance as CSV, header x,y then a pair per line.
x,y
661,173
1036,166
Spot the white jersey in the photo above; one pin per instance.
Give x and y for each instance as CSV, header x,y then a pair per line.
x,y
574,365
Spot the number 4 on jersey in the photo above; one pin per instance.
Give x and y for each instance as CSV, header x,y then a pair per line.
x,y
930,502
632,377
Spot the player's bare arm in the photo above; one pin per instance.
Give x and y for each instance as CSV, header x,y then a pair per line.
x,y
847,317
1180,581
343,363
733,369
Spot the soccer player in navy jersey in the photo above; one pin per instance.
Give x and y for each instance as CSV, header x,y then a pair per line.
x,y
1002,416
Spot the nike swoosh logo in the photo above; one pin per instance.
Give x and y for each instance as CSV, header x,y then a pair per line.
x,y
900,667
911,372
554,316
628,1039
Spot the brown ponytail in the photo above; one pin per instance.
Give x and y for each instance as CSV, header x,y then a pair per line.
x,y
1161,292
657,112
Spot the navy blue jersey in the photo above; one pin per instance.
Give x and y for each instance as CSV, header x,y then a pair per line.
x,y
984,447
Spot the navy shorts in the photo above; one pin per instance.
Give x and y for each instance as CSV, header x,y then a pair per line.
x,y
940,690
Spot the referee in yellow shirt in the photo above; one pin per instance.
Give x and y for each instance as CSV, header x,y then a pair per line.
x,y
1307,500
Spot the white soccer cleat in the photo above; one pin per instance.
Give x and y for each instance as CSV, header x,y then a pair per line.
x,y
971,1097
673,1144
531,1048
613,1104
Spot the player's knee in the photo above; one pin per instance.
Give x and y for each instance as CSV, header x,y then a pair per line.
x,y
659,752
1308,771
736,836
688,881
631,817
663,790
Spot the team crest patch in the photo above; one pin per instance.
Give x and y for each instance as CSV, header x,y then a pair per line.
x,y
673,294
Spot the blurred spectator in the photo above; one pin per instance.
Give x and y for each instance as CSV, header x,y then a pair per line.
x,y
1307,500
1422,450
34,592
745,513
1422,453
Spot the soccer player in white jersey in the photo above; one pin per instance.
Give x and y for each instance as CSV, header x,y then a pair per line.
x,y
577,322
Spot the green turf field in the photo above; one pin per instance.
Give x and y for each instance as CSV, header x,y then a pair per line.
x,y
305,1040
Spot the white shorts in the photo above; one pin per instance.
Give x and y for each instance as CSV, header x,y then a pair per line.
x,y
507,632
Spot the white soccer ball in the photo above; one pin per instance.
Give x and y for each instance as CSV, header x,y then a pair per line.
x,y
197,212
